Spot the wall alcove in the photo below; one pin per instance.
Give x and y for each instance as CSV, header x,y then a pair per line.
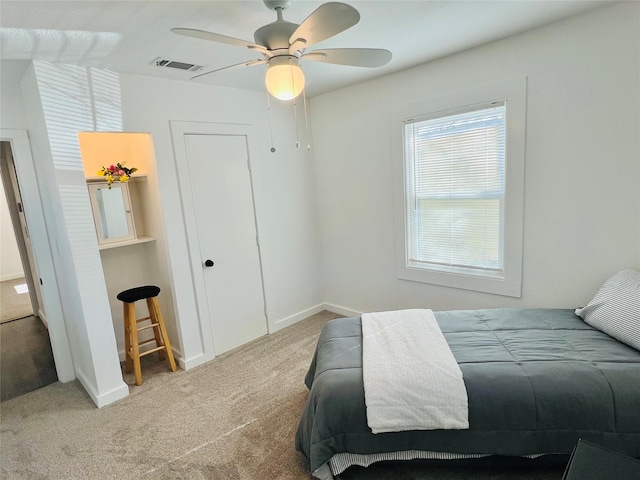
x,y
130,253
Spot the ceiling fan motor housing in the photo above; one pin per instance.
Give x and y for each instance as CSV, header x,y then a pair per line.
x,y
276,35
277,4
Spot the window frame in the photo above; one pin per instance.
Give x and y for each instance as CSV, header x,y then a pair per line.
x,y
509,281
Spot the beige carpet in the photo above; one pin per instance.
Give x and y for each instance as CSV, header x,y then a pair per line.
x,y
232,419
14,305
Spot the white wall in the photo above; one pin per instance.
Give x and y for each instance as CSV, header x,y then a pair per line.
x,y
284,196
10,263
78,270
15,130
12,113
582,214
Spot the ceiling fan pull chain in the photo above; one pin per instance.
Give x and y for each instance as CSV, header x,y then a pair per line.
x,y
295,119
306,120
273,149
295,110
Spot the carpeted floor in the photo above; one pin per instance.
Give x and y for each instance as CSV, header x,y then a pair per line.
x,y
232,419
14,305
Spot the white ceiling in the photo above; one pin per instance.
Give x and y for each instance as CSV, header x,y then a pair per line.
x,y
125,36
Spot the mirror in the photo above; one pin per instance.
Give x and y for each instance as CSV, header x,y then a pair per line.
x,y
112,212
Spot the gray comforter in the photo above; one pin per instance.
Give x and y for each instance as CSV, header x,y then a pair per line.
x,y
536,379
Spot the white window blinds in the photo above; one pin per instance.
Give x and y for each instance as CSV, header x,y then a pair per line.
x,y
455,190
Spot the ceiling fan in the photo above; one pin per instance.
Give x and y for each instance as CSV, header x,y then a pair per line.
x,y
283,44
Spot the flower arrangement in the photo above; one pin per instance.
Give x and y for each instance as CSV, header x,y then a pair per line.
x,y
116,173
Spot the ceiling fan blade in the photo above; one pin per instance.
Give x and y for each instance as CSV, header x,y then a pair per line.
x,y
216,37
326,21
248,63
357,57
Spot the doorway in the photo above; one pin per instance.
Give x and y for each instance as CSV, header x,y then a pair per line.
x,y
21,295
26,356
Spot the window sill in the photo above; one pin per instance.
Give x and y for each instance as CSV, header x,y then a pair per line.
x,y
496,286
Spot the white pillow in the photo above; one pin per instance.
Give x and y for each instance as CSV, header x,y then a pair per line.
x,y
615,309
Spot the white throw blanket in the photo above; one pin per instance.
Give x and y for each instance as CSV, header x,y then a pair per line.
x,y
411,379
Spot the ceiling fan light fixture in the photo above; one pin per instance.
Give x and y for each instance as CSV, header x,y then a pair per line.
x,y
284,78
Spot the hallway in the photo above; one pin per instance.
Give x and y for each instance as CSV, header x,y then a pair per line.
x,y
14,300
26,359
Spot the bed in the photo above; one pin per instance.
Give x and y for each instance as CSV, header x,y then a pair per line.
x,y
537,380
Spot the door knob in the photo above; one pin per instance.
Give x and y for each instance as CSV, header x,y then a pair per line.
x,y
208,263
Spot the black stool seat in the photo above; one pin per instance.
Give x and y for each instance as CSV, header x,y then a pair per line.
x,y
138,293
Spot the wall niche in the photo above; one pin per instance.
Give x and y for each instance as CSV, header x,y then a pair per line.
x,y
132,150
135,257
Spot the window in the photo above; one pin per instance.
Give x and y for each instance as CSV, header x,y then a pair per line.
x,y
455,189
462,171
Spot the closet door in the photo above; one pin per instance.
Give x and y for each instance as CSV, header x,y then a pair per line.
x,y
226,230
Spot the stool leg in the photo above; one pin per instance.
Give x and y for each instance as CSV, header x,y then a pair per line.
x,y
153,306
133,327
156,329
128,362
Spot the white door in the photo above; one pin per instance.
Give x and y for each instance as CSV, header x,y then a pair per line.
x,y
224,212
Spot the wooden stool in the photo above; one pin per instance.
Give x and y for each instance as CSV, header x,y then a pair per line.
x,y
131,329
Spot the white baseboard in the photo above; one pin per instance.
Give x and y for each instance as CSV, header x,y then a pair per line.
x,y
295,318
341,310
188,363
11,276
290,320
103,399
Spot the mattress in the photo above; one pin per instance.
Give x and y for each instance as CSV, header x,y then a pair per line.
x,y
537,380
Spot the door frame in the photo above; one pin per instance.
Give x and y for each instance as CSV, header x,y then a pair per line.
x,y
34,216
178,131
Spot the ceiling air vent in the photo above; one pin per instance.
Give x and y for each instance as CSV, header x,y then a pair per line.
x,y
166,63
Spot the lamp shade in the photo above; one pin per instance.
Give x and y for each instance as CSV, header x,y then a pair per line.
x,y
284,78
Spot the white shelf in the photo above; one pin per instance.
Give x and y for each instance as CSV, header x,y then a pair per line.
x,y
125,243
133,178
